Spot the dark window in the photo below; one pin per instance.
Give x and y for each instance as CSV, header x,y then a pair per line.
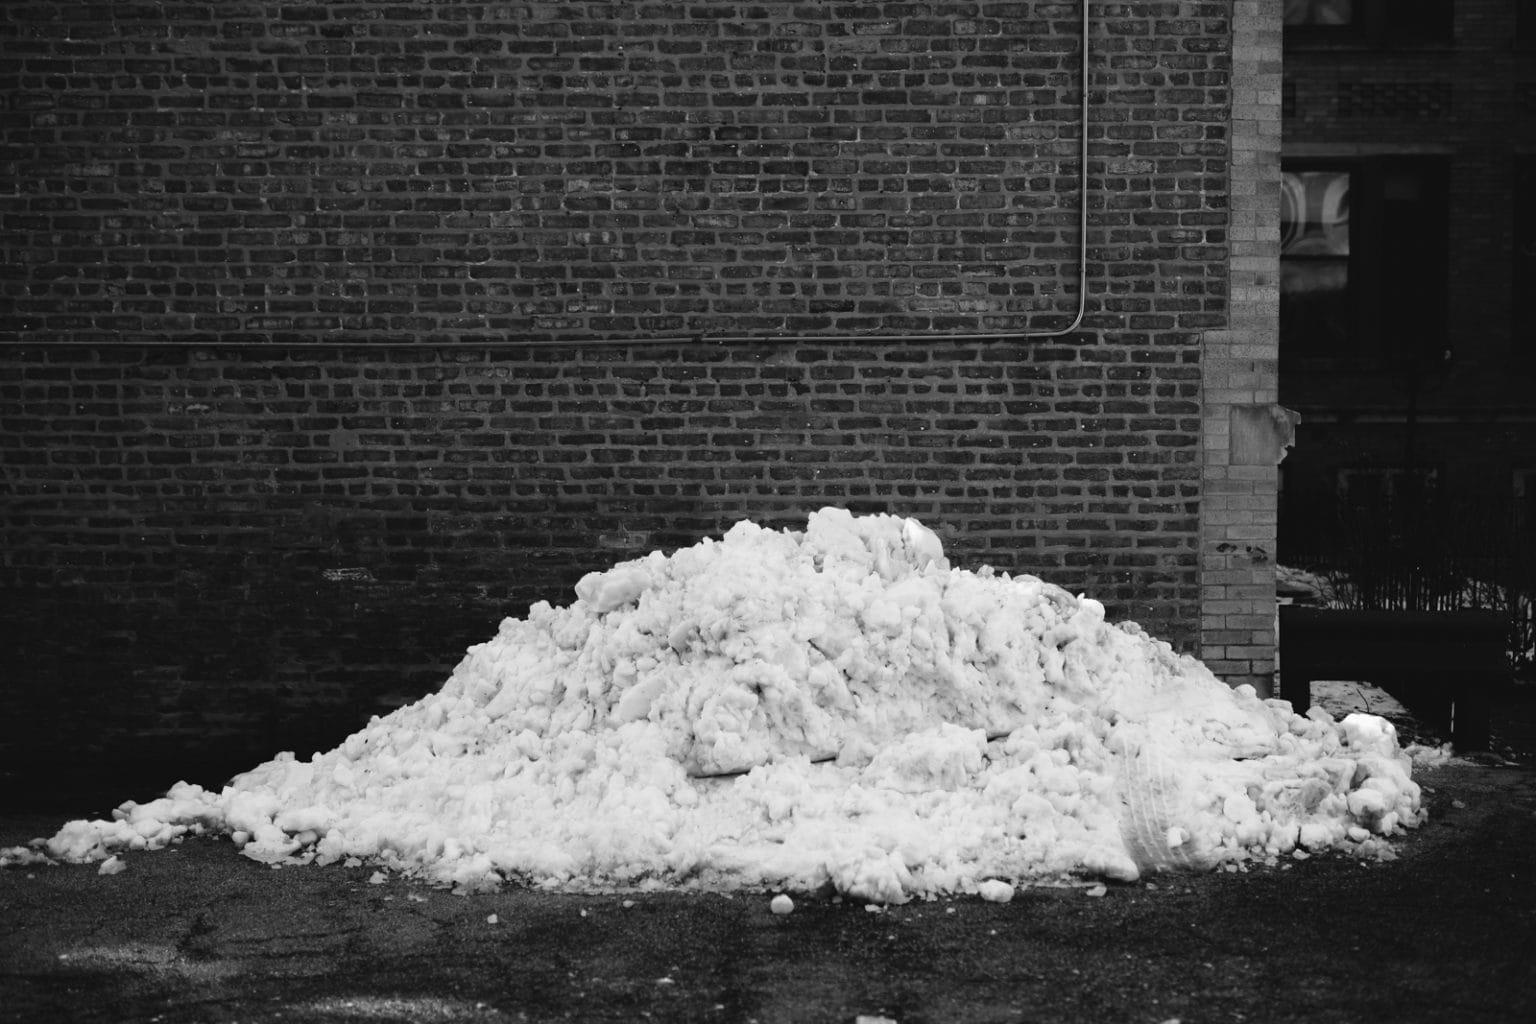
x,y
1384,487
1525,502
1362,259
1319,12
1366,23
1525,255
1316,305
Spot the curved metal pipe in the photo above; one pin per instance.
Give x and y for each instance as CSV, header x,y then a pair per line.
x,y
718,339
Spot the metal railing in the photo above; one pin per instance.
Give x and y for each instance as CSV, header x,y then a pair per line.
x,y
1419,549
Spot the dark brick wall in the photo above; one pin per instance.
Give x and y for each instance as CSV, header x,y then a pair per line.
x,y
1466,99
282,428
1471,419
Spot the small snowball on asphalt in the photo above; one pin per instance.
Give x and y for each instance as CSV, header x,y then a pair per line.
x,y
781,904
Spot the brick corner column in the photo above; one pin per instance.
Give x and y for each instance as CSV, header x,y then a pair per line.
x,y
1244,431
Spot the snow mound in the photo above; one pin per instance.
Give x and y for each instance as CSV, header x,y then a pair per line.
x,y
789,710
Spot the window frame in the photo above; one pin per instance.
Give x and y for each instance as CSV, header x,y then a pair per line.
x,y
1370,347
1352,167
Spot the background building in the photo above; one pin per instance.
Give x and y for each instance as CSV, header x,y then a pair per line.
x,y
335,332
1408,341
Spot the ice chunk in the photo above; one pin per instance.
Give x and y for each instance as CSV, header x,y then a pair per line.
x,y
607,591
995,890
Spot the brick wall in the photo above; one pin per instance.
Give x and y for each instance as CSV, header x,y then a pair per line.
x,y
335,332
1467,99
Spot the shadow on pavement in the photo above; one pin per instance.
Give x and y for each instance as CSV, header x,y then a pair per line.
x,y
198,933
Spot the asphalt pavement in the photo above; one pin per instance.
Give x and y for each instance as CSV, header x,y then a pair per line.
x,y
198,933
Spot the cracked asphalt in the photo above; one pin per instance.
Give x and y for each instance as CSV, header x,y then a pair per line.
x,y
197,933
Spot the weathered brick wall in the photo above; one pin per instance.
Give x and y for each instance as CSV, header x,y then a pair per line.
x,y
282,430
1470,100
244,171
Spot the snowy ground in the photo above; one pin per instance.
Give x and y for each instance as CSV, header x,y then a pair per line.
x,y
837,707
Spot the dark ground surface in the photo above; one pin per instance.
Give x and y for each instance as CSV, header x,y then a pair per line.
x,y
198,933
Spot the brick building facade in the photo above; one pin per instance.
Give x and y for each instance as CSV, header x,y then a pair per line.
x,y
335,332
1415,364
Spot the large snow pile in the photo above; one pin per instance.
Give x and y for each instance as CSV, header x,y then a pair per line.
x,y
793,709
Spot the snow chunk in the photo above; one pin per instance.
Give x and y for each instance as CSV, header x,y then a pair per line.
x,y
995,890
607,591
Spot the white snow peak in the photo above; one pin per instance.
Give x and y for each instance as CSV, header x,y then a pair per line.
x,y
785,710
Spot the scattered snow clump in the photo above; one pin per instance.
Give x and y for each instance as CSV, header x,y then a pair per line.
x,y
790,710
995,890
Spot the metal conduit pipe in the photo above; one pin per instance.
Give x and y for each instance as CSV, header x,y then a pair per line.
x,y
675,340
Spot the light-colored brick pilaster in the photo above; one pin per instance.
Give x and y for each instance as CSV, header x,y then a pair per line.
x,y
1244,432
